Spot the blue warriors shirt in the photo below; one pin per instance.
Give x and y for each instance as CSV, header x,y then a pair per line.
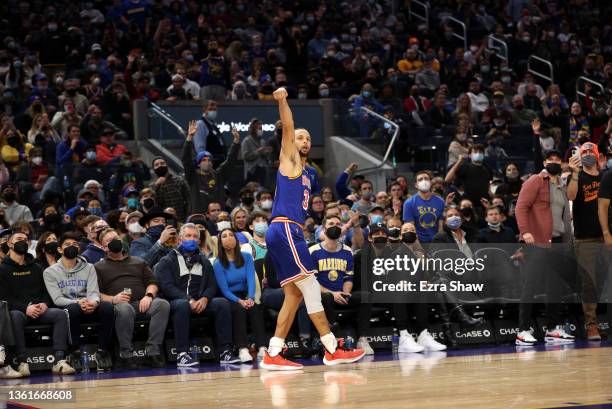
x,y
425,215
334,268
291,197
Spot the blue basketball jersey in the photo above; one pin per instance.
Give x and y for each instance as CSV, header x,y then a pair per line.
x,y
291,197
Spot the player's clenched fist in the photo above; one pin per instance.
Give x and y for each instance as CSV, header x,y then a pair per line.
x,y
280,94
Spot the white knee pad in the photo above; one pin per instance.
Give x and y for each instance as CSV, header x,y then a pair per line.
x,y
312,294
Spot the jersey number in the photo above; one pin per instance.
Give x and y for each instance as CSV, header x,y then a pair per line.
x,y
306,198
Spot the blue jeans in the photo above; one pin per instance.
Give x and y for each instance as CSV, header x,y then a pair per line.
x,y
274,297
218,308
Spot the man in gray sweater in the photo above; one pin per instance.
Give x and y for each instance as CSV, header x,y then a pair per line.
x,y
73,285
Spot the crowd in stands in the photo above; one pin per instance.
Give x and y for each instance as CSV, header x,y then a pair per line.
x,y
84,219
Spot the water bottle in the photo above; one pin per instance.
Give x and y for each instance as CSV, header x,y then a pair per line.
x,y
85,361
349,342
394,343
66,183
194,351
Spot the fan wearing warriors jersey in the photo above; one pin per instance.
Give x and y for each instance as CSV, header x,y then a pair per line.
x,y
289,251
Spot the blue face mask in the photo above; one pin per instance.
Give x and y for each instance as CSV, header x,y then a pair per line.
x,y
132,202
96,211
609,163
260,228
212,115
188,246
90,155
453,222
376,219
366,94
477,157
156,231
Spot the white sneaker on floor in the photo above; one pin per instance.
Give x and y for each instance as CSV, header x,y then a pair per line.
x,y
62,368
245,355
261,352
363,343
428,342
525,338
407,344
24,369
558,336
7,372
2,355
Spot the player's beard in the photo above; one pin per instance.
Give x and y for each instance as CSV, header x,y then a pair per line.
x,y
303,153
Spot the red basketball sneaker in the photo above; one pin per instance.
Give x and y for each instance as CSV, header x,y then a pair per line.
x,y
279,363
343,355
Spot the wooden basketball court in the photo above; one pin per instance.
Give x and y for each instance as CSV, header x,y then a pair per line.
x,y
502,377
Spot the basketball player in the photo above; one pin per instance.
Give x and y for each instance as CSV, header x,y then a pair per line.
x,y
289,251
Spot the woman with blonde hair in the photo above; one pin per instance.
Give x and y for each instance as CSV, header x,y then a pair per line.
x,y
239,218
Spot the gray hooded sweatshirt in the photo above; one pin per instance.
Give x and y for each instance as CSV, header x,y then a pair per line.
x,y
67,286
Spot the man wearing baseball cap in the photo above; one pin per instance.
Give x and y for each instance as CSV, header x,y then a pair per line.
x,y
205,183
583,190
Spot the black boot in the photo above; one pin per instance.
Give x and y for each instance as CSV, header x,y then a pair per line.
x,y
449,336
463,317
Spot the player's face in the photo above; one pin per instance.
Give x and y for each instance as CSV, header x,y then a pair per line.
x,y
302,142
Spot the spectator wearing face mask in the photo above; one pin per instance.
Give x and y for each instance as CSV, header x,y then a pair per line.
x,y
89,169
206,183
495,232
159,239
15,151
118,271
474,175
458,147
13,210
365,204
240,92
72,284
71,92
583,190
207,136
511,186
335,274
424,210
366,99
453,231
23,287
170,190
543,217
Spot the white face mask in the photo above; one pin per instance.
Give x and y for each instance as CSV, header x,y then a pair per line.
x,y
224,225
424,185
266,204
37,160
259,132
135,228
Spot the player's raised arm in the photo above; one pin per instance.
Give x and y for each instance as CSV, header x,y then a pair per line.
x,y
288,142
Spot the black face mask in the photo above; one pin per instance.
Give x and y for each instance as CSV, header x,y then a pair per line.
x,y
51,219
51,248
161,171
5,248
148,203
247,200
9,196
115,246
467,212
380,240
71,252
553,168
333,232
409,237
394,232
21,247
